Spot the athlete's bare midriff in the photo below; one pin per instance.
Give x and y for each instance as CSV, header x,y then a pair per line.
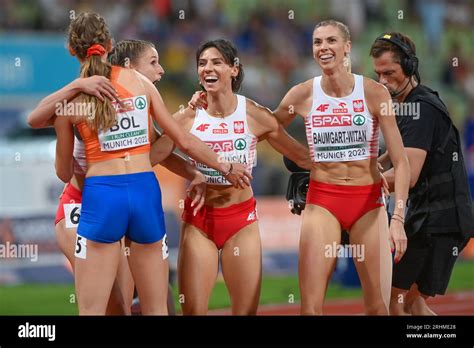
x,y
122,165
356,173
219,196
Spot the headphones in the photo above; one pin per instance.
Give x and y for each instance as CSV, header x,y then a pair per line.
x,y
409,62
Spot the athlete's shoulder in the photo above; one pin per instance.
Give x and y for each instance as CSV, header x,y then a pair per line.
x,y
303,89
255,108
262,115
184,115
374,88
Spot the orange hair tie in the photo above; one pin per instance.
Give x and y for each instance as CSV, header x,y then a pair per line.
x,y
95,50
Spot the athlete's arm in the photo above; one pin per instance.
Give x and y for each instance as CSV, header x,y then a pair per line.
x,y
290,104
384,160
379,99
416,158
189,144
161,149
265,126
96,85
64,148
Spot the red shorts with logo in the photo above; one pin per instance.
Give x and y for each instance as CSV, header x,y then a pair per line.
x,y
220,224
70,195
347,203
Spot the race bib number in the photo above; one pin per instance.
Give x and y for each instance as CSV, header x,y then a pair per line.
x,y
81,247
131,129
72,213
164,247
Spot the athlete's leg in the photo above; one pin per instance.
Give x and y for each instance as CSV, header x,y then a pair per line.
x,y
66,238
121,298
241,259
150,268
398,302
170,302
371,233
319,230
123,285
95,275
198,262
416,302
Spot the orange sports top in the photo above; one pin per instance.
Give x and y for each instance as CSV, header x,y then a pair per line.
x,y
130,136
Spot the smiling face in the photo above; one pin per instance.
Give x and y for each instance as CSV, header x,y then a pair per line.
x,y
215,74
389,72
330,47
148,64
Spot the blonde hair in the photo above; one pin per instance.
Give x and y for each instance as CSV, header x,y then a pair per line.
x,y
346,35
85,30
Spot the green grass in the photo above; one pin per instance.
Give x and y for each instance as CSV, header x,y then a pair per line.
x,y
32,299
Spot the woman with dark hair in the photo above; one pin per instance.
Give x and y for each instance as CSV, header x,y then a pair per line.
x,y
227,224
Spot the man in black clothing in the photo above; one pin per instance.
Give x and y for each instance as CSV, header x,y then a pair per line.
x,y
439,220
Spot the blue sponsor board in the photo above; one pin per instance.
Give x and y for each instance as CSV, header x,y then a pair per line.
x,y
34,64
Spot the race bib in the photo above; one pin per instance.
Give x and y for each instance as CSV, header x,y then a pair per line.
x,y
131,129
81,247
164,247
72,213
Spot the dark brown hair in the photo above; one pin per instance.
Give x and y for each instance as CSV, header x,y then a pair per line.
x,y
229,52
379,47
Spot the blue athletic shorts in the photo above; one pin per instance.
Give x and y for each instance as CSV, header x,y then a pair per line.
x,y
128,205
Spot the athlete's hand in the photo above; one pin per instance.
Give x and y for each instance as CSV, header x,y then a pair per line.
x,y
198,186
98,86
198,100
238,176
398,239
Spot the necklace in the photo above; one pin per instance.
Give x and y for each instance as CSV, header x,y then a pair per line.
x,y
217,114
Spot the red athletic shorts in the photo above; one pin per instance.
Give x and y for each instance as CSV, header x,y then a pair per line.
x,y
70,195
347,203
220,224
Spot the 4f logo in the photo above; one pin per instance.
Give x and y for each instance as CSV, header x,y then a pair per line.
x,y
322,107
203,127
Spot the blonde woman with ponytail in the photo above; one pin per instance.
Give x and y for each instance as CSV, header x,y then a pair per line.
x,y
121,195
343,115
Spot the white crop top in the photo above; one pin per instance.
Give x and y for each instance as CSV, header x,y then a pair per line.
x,y
230,137
341,129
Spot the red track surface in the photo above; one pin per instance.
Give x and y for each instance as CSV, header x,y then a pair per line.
x,y
461,303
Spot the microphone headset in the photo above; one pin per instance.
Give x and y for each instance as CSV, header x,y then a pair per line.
x,y
409,61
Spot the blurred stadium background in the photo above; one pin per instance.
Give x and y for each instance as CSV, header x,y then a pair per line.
x,y
274,42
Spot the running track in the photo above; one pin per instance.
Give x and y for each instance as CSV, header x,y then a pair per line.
x,y
460,303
